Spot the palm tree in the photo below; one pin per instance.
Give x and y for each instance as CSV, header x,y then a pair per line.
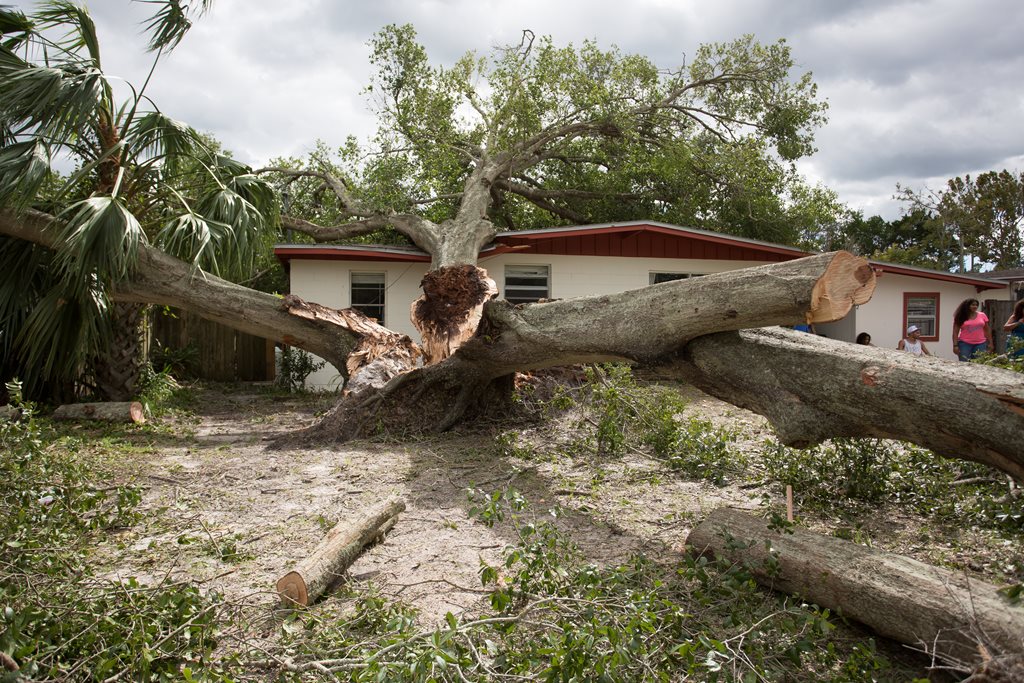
x,y
140,178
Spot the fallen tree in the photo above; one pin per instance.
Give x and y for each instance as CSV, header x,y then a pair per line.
x,y
936,610
546,143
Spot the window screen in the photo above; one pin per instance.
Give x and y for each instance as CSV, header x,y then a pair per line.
x,y
526,284
921,311
368,294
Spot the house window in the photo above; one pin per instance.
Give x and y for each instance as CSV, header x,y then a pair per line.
x,y
368,294
526,284
922,309
657,278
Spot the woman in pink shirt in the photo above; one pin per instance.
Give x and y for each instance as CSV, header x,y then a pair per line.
x,y
971,333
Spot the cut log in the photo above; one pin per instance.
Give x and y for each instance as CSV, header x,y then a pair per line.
x,y
811,389
8,412
339,549
123,411
940,611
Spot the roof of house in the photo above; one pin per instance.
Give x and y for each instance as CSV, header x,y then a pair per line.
x,y
1008,275
629,239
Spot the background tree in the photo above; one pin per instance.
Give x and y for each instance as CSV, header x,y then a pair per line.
x,y
140,177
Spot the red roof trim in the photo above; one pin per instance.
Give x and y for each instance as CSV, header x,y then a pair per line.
x,y
335,254
633,229
930,275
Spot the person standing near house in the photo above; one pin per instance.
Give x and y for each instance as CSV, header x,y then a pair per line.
x,y
1015,327
971,333
912,342
864,339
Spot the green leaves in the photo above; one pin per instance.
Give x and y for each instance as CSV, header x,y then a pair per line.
x,y
101,237
171,22
57,102
24,168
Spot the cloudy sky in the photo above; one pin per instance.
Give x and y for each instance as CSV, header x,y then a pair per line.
x,y
919,91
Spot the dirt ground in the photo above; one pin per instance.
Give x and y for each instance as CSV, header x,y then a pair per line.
x,y
224,506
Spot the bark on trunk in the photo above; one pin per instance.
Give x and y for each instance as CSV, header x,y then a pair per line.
x,y
812,389
935,609
118,370
124,411
339,549
639,326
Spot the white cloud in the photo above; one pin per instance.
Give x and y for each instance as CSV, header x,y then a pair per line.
x,y
920,90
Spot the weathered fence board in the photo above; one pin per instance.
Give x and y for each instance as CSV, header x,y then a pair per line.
x,y
998,312
223,354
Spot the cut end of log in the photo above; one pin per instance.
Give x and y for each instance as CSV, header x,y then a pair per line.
x,y
847,282
136,412
292,589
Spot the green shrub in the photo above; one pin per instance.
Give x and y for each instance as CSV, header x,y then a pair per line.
x,y
59,621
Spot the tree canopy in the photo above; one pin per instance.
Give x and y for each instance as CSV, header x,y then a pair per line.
x,y
566,134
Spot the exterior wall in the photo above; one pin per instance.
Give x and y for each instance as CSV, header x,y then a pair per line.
x,y
882,317
573,276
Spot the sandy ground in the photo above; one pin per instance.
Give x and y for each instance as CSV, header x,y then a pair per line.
x,y
216,484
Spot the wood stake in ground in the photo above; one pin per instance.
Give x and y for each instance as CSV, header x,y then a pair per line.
x,y
124,411
339,549
927,607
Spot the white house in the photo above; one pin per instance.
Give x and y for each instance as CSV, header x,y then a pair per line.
x,y
560,263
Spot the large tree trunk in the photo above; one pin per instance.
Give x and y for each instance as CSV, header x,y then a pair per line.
x,y
850,391
812,389
637,326
940,611
117,371
162,279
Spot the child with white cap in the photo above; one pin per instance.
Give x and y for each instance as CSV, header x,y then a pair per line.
x,y
912,342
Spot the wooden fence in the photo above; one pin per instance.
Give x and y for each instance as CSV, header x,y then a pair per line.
x,y
998,312
220,353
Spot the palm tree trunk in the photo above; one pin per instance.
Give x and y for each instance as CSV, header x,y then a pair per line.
x,y
117,372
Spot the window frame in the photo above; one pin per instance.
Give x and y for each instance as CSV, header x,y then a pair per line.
x,y
906,318
547,289
383,294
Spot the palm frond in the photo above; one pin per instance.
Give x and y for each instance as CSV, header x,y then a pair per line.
x,y
15,27
79,26
45,330
155,136
66,327
24,167
257,192
195,239
171,22
100,236
24,276
57,102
